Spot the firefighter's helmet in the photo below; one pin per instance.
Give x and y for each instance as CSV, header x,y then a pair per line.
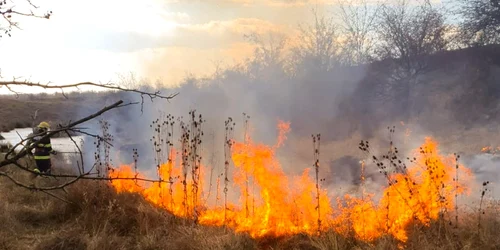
x,y
44,125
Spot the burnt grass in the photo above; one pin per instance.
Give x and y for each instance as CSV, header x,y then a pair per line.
x,y
94,216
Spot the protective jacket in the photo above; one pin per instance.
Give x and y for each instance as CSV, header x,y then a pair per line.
x,y
43,147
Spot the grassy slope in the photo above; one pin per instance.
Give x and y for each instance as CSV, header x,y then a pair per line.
x,y
55,108
98,218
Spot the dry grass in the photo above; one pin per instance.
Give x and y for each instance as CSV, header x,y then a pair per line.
x,y
99,218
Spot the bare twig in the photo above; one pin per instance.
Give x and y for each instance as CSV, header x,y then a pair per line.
x,y
8,11
56,196
75,178
80,171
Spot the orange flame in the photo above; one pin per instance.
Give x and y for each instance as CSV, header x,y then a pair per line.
x,y
486,149
281,205
490,150
283,128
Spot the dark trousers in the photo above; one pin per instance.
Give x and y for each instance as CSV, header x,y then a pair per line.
x,y
43,165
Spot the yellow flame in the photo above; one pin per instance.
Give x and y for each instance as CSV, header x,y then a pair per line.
x,y
285,205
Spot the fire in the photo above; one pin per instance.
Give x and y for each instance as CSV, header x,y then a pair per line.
x,y
173,195
422,194
277,201
486,149
272,203
490,150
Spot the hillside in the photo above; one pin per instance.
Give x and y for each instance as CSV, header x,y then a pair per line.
x,y
455,95
17,111
459,86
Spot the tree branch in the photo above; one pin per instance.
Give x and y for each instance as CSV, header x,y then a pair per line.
x,y
110,86
28,148
75,178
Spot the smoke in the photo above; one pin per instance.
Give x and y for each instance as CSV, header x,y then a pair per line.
x,y
340,103
485,167
311,103
316,102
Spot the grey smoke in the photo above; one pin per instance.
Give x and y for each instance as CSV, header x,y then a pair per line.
x,y
310,103
485,167
339,104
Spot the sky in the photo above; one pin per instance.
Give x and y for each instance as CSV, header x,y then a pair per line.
x,y
158,40
102,41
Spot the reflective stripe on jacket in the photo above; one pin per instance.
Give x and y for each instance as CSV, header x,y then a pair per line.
x,y
42,157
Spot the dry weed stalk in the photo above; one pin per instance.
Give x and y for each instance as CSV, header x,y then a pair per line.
x,y
481,211
363,191
135,156
217,195
185,162
195,155
455,179
156,140
247,178
389,164
212,166
157,145
103,146
316,147
163,131
228,142
169,123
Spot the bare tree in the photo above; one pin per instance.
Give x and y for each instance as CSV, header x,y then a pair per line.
x,y
407,34
358,25
319,46
481,23
268,57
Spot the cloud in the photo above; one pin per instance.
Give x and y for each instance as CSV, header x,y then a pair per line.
x,y
276,3
178,17
172,64
235,27
269,3
211,35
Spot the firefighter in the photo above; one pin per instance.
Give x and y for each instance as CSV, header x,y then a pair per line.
x,y
43,148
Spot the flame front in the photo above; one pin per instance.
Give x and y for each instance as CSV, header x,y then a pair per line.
x,y
272,203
